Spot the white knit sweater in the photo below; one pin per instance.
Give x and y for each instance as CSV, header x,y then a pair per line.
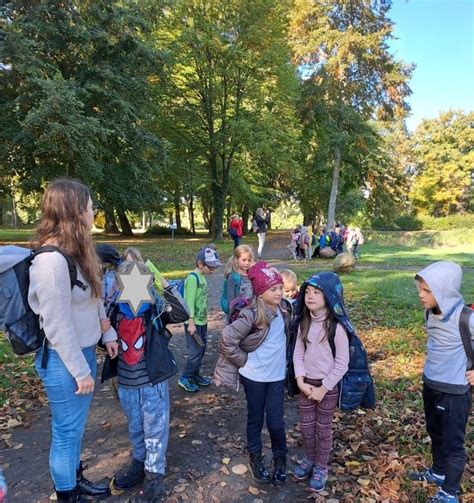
x,y
70,318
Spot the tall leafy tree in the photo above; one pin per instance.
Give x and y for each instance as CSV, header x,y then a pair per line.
x,y
341,49
226,63
74,98
443,149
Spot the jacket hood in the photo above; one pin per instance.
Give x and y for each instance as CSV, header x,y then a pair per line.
x,y
331,286
444,280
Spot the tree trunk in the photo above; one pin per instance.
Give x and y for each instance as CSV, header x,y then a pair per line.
x,y
124,224
14,214
335,184
245,219
206,215
177,211
219,207
191,214
110,223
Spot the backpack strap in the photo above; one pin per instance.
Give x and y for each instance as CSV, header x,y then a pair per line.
x,y
464,318
72,267
192,273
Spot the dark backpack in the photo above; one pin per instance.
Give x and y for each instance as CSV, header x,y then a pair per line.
x,y
356,388
20,324
236,307
465,332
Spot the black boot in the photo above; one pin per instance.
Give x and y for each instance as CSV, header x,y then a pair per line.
x,y
132,477
88,488
258,470
152,487
279,470
72,496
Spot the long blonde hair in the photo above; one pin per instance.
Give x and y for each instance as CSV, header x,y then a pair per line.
x,y
62,223
233,263
260,308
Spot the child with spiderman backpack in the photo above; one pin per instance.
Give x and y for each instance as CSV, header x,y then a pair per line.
x,y
237,284
447,376
323,368
143,367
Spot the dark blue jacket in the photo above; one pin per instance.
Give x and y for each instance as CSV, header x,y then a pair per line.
x,y
356,389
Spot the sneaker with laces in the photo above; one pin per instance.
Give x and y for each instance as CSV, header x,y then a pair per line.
x,y
202,381
304,470
188,385
318,480
443,497
426,476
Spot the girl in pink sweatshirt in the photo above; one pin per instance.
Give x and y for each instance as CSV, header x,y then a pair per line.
x,y
320,358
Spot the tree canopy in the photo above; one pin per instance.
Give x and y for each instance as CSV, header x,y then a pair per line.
x,y
222,107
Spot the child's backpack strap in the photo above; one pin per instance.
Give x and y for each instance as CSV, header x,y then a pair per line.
x,y
465,331
192,273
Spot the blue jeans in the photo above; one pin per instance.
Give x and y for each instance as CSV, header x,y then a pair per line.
x,y
265,399
68,416
148,414
195,351
237,240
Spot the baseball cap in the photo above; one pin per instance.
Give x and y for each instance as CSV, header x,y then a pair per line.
x,y
209,257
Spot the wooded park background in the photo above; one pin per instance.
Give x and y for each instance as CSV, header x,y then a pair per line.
x,y
182,109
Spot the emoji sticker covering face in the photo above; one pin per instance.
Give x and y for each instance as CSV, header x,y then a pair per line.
x,y
132,340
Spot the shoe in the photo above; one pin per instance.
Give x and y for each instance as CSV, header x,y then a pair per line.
x,y
202,381
72,496
279,476
152,487
132,477
257,469
426,476
88,488
304,470
318,480
442,497
188,385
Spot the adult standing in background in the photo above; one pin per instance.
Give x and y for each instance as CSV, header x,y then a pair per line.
x,y
236,229
261,220
73,319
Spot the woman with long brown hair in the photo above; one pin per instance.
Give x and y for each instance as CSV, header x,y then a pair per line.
x,y
71,320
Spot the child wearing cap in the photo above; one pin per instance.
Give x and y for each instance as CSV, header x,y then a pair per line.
x,y
253,349
196,297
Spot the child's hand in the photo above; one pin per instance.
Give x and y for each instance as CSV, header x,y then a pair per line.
x,y
191,327
112,348
318,393
470,377
105,325
304,387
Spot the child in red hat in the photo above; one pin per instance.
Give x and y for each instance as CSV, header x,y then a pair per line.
x,y
253,350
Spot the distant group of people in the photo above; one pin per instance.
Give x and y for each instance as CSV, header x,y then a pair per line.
x,y
259,226
304,244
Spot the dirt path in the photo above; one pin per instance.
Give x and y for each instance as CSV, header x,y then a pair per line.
x,y
206,428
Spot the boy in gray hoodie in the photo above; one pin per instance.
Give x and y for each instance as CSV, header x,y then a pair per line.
x,y
446,390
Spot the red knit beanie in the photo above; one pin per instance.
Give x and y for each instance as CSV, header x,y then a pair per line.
x,y
263,276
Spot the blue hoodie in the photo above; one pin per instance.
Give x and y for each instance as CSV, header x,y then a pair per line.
x,y
446,360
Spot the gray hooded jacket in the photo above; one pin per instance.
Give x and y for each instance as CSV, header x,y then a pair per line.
x,y
446,360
